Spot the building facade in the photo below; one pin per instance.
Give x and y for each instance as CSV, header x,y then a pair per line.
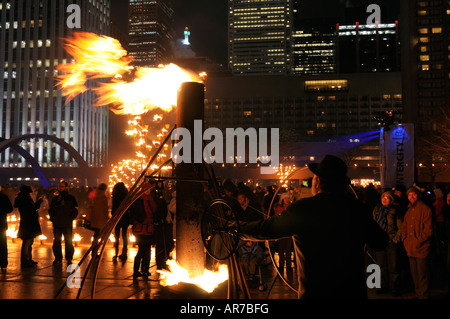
x,y
259,37
31,33
367,48
313,51
150,31
428,57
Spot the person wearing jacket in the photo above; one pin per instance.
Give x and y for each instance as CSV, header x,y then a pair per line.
x,y
142,215
417,230
5,208
62,211
29,227
330,231
118,195
387,217
98,210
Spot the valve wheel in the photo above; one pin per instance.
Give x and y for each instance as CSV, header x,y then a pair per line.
x,y
219,230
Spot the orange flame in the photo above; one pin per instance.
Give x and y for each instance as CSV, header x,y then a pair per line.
x,y
102,57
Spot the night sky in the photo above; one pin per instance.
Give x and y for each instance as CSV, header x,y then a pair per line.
x,y
207,19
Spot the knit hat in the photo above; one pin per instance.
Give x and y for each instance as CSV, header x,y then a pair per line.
x,y
413,189
388,193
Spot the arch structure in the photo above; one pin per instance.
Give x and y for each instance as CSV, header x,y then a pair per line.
x,y
14,144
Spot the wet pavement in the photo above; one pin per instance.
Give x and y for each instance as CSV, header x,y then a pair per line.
x,y
115,278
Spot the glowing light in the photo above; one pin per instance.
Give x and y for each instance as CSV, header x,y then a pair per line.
x,y
208,281
102,57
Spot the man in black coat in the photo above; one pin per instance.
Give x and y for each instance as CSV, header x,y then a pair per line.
x,y
5,208
62,211
330,232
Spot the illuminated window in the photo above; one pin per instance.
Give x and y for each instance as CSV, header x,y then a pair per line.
x,y
425,67
326,85
247,113
436,30
423,30
424,40
424,57
422,12
423,49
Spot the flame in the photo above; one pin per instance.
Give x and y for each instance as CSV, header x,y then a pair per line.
x,y
11,232
208,281
102,57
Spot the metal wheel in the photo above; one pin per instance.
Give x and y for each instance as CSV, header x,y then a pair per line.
x,y
219,230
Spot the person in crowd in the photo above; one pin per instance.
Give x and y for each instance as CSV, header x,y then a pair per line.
x,y
98,210
62,211
446,214
285,245
268,199
250,253
400,200
439,226
29,226
330,232
163,241
401,206
386,216
119,193
172,211
371,197
5,208
142,214
417,231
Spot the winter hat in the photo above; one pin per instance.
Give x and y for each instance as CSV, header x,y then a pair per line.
x,y
413,189
389,194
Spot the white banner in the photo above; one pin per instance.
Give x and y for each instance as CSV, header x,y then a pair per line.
x,y
397,155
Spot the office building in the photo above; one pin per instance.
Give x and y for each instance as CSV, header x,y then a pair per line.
x,y
259,37
367,48
313,50
31,46
150,31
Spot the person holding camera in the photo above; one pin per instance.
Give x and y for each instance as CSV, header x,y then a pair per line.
x,y
63,210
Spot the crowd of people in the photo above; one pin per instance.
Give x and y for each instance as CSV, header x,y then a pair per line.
x,y
150,217
416,222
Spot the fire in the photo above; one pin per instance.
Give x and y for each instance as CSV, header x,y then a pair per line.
x,y
208,281
11,232
102,57
152,88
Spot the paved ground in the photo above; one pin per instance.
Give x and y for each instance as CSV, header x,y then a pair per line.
x,y
115,280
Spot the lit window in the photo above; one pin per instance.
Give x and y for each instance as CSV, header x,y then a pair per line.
x,y
425,67
436,30
424,57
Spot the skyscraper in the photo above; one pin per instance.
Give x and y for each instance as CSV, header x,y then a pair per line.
x,y
313,50
426,59
31,47
367,48
150,31
259,37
